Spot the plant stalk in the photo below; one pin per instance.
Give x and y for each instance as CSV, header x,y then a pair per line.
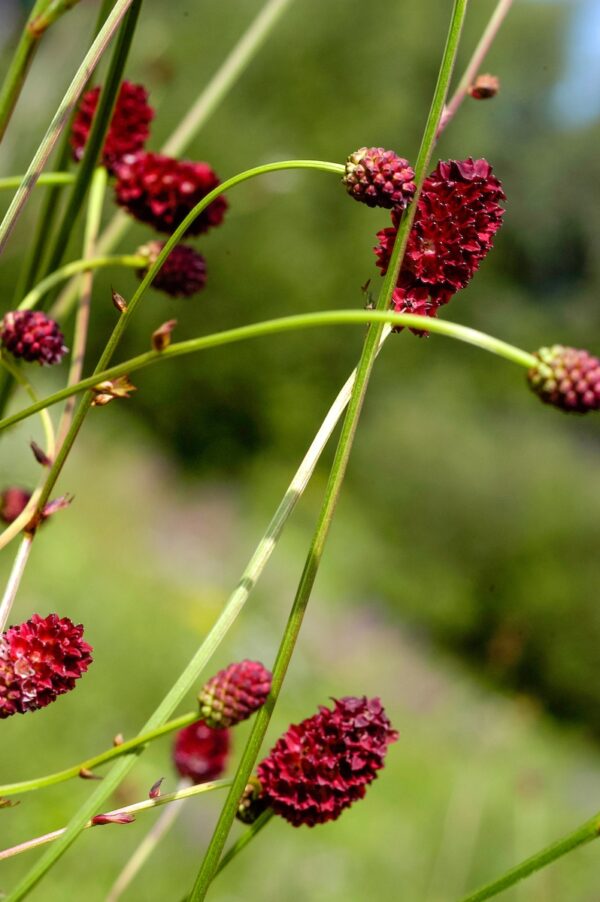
x,y
213,854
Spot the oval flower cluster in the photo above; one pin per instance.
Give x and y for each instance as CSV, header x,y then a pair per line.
x,y
40,660
155,189
458,213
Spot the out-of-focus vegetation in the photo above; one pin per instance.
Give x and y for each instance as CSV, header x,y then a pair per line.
x,y
470,514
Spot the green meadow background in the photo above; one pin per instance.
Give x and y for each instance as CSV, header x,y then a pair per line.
x,y
461,579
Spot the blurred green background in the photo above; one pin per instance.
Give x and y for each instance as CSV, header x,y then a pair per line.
x,y
460,582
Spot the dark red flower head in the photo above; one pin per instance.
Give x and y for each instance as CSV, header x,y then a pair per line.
x,y
13,502
324,764
234,693
182,274
32,335
458,214
567,378
200,753
129,127
40,660
379,178
161,191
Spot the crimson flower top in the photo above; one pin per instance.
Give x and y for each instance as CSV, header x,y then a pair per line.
x,y
235,693
129,127
458,214
40,660
567,378
201,753
161,191
32,336
322,765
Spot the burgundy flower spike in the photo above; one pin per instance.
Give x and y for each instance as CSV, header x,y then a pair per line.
x,y
200,753
182,274
379,178
324,764
129,127
32,336
40,660
457,216
567,378
234,693
161,191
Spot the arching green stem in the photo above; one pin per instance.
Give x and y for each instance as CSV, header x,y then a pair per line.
x,y
131,261
46,178
284,324
116,751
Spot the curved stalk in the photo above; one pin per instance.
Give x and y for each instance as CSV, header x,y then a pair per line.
x,y
261,821
284,324
215,848
136,808
116,751
75,267
19,66
46,178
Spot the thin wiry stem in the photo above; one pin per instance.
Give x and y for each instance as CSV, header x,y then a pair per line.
x,y
89,764
147,846
19,66
136,808
213,854
92,227
61,118
473,66
14,580
284,324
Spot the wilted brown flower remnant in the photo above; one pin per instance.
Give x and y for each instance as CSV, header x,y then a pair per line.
x,y
484,87
322,765
129,127
458,214
161,191
567,378
40,660
379,178
234,693
200,753
32,336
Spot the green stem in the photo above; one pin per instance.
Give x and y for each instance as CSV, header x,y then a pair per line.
x,y
261,821
61,118
95,141
132,261
53,11
131,745
46,178
213,854
136,808
50,207
82,320
19,66
229,614
284,324
588,831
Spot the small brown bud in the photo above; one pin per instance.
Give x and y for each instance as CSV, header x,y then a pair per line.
x,y
87,774
118,739
110,389
119,301
155,789
484,87
40,455
161,337
57,504
9,803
